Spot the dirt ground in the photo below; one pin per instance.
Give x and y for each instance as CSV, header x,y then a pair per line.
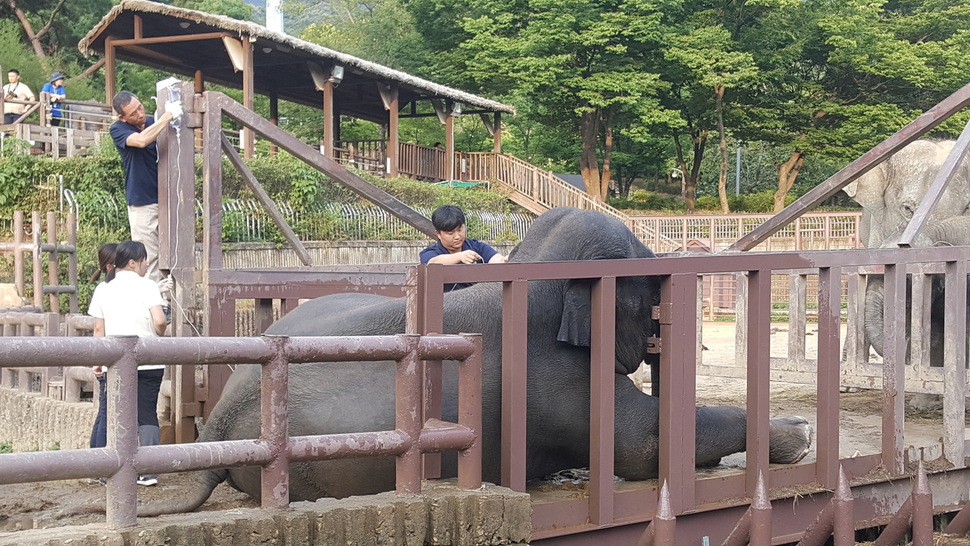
x,y
39,505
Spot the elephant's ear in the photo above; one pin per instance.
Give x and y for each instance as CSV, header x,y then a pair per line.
x,y
575,326
869,189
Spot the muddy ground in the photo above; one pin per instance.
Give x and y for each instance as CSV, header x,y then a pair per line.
x,y
45,504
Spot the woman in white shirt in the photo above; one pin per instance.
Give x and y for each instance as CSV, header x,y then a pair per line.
x,y
131,305
106,267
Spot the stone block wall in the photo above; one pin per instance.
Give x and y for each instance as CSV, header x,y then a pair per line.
x,y
31,422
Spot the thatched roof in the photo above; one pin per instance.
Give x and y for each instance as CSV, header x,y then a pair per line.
x,y
280,60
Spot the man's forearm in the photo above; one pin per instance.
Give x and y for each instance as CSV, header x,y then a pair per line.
x,y
146,137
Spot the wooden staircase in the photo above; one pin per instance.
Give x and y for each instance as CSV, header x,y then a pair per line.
x,y
535,189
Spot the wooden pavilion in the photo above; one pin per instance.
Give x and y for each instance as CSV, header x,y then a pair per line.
x,y
244,55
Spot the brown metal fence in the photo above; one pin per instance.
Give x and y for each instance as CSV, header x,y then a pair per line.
x,y
122,460
28,240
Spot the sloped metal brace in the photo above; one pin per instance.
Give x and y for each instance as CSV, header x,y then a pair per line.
x,y
922,509
754,527
844,526
662,529
960,524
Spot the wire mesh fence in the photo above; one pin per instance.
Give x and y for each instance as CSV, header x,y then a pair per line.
x,y
246,220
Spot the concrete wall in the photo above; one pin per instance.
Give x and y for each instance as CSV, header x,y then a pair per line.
x,y
443,514
32,422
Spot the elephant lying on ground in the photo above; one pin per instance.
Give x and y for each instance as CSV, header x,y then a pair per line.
x,y
349,397
890,194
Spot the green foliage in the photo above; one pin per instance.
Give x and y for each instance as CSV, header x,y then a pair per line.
x,y
643,200
6,447
237,9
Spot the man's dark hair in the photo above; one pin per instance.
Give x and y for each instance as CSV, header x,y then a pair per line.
x,y
121,100
447,218
13,71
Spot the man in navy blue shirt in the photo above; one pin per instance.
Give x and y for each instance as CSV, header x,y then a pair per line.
x,y
452,246
134,135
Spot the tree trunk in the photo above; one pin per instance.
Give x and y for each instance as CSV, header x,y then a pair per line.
x,y
588,164
35,37
693,173
787,173
607,156
722,176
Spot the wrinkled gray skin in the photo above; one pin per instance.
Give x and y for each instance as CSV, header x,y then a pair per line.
x,y
355,396
890,195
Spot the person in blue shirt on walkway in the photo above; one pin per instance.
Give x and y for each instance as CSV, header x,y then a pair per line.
x,y
452,246
57,93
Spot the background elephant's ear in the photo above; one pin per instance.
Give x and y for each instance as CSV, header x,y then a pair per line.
x,y
869,189
575,326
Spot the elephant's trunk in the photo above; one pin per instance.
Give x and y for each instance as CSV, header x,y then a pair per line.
x,y
873,313
954,231
205,482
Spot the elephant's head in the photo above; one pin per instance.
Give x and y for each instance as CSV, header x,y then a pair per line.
x,y
890,195
567,234
891,192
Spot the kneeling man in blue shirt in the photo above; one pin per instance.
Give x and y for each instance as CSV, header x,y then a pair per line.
x,y
452,246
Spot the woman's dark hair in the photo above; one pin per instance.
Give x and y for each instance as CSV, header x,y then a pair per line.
x,y
130,250
447,218
106,262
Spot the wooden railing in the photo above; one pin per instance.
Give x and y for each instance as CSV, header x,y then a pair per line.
x,y
422,162
536,189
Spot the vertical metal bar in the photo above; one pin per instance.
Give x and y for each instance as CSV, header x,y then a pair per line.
x,y
740,319
18,255
678,294
433,324
955,362
52,259
829,356
759,375
72,262
515,351
470,414
264,314
855,347
797,317
602,399
407,390
273,408
38,265
121,507
894,359
920,306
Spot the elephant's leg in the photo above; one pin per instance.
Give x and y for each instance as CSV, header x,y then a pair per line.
x,y
722,430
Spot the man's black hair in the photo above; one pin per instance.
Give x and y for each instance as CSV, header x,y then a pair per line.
x,y
447,218
13,70
121,100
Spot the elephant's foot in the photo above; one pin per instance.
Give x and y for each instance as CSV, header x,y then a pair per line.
x,y
790,440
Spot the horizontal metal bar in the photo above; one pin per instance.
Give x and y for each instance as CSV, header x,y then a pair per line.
x,y
183,457
58,465
343,446
54,352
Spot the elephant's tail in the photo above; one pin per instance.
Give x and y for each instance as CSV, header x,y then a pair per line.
x,y
205,481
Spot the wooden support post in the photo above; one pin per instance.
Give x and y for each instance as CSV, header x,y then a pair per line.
x,y
450,142
393,137
274,117
328,120
249,140
110,70
497,134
